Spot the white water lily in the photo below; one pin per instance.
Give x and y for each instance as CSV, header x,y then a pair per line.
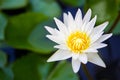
x,y
78,38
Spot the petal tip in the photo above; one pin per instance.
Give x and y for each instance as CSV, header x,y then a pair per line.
x,y
46,27
95,16
47,36
107,22
54,18
48,60
75,71
104,66
89,10
79,10
111,34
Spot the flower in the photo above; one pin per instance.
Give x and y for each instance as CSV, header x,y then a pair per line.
x,y
78,38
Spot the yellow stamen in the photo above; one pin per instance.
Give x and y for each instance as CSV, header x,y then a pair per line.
x,y
78,41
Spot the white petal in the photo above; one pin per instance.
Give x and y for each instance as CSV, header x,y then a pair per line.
x,y
98,45
78,18
83,26
83,58
95,59
71,24
90,25
53,31
75,55
90,50
95,37
61,26
76,65
104,37
100,28
50,30
61,46
87,16
57,39
65,19
60,55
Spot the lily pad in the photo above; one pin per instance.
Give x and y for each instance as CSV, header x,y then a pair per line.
x,y
32,67
3,59
38,38
3,23
6,73
74,3
20,27
35,67
12,4
47,7
103,9
116,31
63,71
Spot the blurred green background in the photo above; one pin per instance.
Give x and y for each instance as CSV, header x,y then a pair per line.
x,y
24,48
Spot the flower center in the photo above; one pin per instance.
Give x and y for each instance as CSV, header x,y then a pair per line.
x,y
78,41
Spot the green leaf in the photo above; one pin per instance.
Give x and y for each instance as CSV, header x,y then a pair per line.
x,y
63,71
103,9
12,4
3,23
20,27
3,59
32,67
38,38
6,73
74,3
116,31
47,7
118,1
35,67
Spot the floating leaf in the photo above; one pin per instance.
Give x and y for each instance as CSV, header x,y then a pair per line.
x,y
38,38
63,71
3,59
3,23
32,67
47,7
116,31
6,73
12,4
26,31
103,9
35,67
74,3
20,27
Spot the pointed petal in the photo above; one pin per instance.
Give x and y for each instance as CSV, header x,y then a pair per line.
x,y
59,40
98,45
61,26
103,38
95,37
78,18
87,16
65,19
50,30
83,26
83,58
90,25
75,56
100,28
71,24
90,50
61,46
95,59
59,55
76,65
